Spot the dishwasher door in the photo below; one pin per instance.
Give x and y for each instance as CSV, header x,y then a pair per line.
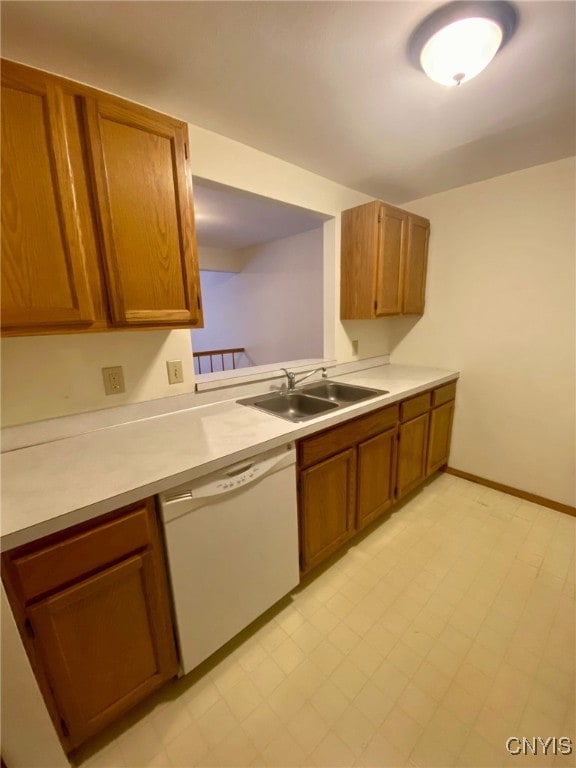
x,y
232,544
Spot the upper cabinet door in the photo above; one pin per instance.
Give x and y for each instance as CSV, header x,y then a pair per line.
x,y
146,216
391,244
383,262
44,278
414,291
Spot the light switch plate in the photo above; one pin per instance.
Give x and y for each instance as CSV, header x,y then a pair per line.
x,y
175,375
113,380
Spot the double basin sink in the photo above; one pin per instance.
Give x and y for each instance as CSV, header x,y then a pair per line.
x,y
311,400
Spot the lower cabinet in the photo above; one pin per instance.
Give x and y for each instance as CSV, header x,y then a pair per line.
x,y
345,480
327,488
441,419
93,611
376,472
350,474
412,443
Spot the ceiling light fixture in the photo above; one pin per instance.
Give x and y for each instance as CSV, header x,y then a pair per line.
x,y
457,41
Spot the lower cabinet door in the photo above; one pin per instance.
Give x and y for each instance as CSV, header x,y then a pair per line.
x,y
376,469
327,503
412,448
106,644
440,433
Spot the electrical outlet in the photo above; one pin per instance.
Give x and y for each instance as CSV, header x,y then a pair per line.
x,y
355,346
113,380
175,375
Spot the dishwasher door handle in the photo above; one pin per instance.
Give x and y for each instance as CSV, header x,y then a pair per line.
x,y
185,498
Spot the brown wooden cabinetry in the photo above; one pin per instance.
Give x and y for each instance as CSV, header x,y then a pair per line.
x,y
350,474
383,262
44,238
441,418
97,216
376,468
345,481
412,443
145,210
93,611
327,498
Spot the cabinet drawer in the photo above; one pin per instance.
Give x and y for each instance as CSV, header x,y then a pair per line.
x,y
331,441
76,555
409,409
444,394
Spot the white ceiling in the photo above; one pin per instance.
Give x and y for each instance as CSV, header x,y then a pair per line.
x,y
234,218
324,85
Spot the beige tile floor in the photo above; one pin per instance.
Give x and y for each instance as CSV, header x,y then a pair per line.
x,y
444,631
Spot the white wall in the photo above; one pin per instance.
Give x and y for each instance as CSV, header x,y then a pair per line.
x,y
221,259
47,376
273,308
283,297
500,307
223,323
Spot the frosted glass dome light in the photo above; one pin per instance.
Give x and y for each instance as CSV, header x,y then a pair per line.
x,y
457,41
461,50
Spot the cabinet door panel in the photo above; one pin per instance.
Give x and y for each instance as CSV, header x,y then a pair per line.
x,y
376,468
327,502
392,231
105,643
414,288
145,213
412,454
440,433
44,278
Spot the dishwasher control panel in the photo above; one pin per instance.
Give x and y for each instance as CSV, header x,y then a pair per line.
x,y
182,499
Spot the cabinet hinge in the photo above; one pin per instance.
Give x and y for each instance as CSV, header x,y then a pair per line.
x,y
396,492
64,728
186,150
198,301
375,306
29,629
398,436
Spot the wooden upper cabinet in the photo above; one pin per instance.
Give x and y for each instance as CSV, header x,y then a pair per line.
x,y
44,274
416,259
145,211
383,262
97,213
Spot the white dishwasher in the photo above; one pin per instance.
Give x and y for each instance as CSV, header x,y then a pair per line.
x,y
232,543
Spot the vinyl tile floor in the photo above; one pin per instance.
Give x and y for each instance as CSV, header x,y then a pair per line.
x,y
445,631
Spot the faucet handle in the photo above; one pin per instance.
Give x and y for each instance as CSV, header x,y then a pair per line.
x,y
324,373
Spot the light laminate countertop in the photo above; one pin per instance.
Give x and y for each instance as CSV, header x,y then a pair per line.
x,y
49,487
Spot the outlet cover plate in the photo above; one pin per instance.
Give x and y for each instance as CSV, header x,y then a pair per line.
x,y
113,380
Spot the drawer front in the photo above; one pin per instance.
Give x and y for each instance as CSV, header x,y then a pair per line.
x,y
444,394
409,409
74,556
318,447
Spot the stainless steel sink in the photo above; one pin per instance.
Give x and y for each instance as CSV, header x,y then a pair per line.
x,y
312,400
337,392
294,406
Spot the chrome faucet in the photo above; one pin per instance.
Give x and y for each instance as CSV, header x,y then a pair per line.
x,y
292,380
